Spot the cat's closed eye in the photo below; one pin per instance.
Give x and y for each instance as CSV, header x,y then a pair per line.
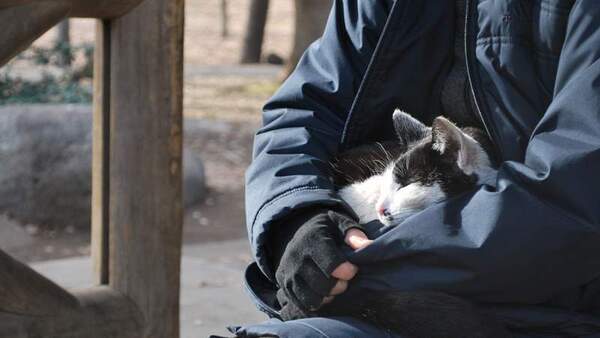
x,y
399,172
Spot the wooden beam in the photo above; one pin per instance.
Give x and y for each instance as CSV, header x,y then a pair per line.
x,y
101,152
23,24
98,313
101,9
33,306
24,291
146,101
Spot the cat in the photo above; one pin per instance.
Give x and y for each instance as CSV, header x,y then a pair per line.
x,y
389,182
393,180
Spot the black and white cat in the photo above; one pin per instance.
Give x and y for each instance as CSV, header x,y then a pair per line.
x,y
391,181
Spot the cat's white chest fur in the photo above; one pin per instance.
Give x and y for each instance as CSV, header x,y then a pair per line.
x,y
362,197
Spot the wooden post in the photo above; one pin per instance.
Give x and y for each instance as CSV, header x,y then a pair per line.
x,y
101,152
137,193
145,211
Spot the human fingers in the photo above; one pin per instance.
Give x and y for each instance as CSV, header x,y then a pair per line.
x,y
345,271
338,288
328,300
357,239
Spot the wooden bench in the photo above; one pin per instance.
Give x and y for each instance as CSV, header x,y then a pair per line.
x,y
136,198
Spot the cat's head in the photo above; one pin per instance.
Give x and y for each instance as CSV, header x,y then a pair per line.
x,y
440,161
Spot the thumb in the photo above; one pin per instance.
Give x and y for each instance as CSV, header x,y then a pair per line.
x,y
357,239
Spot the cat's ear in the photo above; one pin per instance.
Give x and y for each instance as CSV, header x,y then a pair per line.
x,y
408,129
452,143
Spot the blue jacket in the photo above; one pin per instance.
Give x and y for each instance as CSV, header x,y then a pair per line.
x,y
529,242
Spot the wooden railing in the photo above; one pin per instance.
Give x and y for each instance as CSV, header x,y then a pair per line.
x,y
136,175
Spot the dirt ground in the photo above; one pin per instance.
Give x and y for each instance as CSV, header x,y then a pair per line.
x,y
226,98
204,44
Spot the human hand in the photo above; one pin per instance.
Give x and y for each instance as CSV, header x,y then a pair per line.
x,y
313,269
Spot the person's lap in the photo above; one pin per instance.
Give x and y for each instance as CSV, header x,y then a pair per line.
x,y
319,327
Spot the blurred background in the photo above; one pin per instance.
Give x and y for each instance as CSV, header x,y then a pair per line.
x,y
237,52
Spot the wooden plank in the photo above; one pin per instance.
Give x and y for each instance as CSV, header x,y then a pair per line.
x,y
145,161
24,291
23,24
104,9
101,152
101,9
98,313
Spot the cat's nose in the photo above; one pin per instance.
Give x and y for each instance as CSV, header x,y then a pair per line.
x,y
384,212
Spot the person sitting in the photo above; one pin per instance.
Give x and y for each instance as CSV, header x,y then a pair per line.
x,y
528,241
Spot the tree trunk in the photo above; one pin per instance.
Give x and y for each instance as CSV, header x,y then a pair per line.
x,y
255,30
63,43
310,19
224,20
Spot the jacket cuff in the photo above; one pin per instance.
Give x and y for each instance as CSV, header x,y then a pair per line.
x,y
283,206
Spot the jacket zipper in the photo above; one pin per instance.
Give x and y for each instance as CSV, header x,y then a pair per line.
x,y
348,137
468,32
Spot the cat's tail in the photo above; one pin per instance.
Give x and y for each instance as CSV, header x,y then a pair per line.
x,y
429,315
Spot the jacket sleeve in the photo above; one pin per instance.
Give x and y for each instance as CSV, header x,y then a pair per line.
x,y
537,233
303,122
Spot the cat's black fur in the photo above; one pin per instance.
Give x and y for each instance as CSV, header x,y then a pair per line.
x,y
362,162
422,314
